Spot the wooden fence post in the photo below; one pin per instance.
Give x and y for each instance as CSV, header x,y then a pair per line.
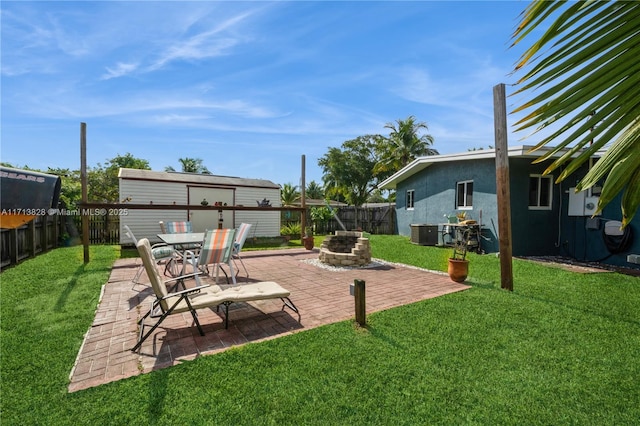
x,y
83,184
502,187
359,296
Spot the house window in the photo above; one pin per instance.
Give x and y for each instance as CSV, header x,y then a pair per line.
x,y
464,195
540,192
410,198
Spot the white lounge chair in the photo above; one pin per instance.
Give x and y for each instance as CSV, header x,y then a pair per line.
x,y
199,297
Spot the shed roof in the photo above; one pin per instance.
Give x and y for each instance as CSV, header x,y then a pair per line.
x,y
194,178
421,163
315,202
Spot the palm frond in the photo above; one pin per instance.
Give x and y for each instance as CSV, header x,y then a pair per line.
x,y
589,82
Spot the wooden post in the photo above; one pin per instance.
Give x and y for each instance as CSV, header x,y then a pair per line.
x,y
13,246
32,237
303,202
502,187
85,196
359,296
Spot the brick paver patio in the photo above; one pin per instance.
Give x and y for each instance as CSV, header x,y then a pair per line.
x,y
321,295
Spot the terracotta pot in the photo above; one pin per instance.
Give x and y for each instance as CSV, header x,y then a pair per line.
x,y
308,242
458,270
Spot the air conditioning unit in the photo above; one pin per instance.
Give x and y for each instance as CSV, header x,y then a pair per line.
x,y
424,235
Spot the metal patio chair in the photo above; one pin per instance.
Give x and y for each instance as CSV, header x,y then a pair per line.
x,y
216,250
162,253
241,236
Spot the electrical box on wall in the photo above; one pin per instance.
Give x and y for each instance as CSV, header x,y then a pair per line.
x,y
581,203
590,205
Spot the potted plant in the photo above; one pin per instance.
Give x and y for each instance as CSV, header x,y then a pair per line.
x,y
307,240
458,262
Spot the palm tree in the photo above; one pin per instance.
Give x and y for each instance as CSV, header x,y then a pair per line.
x,y
289,194
190,165
314,190
586,69
402,146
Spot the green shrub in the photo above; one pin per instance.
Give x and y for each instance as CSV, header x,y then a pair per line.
x,y
293,230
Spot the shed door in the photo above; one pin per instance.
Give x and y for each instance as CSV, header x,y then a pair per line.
x,y
202,220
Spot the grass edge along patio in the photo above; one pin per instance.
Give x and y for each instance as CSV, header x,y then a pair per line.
x,y
563,348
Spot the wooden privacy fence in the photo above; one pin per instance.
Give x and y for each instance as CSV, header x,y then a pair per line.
x,y
103,228
378,219
48,232
375,220
36,237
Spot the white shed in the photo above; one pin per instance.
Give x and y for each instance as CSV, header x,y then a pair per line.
x,y
147,186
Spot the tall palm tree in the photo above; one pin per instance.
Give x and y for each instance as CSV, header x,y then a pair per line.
x,y
586,69
314,190
289,194
403,145
190,165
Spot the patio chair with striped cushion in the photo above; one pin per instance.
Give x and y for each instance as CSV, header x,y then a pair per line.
x,y
179,227
216,250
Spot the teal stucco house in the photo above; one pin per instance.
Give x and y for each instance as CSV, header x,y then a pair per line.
x,y
547,218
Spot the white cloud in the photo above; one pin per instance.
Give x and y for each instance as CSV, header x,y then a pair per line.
x,y
119,70
206,44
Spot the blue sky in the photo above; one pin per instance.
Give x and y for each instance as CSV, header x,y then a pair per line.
x,y
248,87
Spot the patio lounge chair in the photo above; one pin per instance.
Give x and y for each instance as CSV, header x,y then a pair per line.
x,y
199,297
162,253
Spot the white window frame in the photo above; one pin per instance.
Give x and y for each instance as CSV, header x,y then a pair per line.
x,y
540,180
411,199
465,205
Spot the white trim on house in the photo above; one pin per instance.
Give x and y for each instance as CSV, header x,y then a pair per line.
x,y
421,163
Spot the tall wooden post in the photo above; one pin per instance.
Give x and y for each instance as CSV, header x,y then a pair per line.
x,y
303,201
361,308
503,191
85,196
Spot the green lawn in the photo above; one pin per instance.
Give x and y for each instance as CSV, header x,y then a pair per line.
x,y
563,348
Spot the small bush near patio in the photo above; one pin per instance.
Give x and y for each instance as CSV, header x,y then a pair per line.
x,y
562,348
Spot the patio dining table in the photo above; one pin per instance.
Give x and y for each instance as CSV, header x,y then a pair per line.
x,y
183,241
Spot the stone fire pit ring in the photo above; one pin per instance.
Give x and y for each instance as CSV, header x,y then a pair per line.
x,y
345,248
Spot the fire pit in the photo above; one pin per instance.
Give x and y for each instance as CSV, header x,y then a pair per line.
x,y
345,248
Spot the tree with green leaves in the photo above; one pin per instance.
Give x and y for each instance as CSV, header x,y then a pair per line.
x,y
289,194
376,197
102,181
190,165
403,145
314,191
584,71
348,172
70,186
319,218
